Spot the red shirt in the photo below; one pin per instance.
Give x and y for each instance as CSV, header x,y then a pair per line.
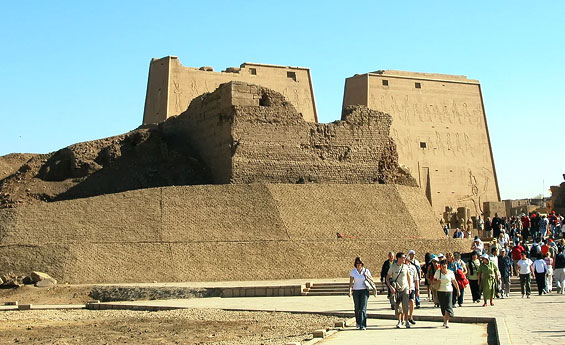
x,y
517,251
525,223
544,249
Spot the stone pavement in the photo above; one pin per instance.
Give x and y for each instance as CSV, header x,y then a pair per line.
x,y
521,321
466,333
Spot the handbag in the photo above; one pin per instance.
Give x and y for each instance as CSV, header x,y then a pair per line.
x,y
369,284
434,284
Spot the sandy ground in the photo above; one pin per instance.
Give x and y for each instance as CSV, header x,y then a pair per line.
x,y
186,326
58,294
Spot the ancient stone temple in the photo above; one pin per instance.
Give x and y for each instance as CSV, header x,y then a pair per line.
x,y
440,129
237,187
171,86
438,121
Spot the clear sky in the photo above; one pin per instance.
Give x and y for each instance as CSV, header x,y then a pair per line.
x,y
73,71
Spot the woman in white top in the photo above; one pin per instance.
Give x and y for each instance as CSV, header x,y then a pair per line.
x,y
526,271
359,290
447,281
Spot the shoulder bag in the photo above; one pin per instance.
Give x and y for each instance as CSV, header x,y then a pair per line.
x,y
369,284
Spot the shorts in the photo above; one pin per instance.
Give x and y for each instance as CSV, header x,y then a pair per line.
x,y
401,298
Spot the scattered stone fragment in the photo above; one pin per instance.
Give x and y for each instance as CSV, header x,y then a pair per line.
x,y
38,276
47,282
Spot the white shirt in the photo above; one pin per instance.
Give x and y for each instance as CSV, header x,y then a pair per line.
x,y
524,266
445,280
494,259
540,266
359,278
413,274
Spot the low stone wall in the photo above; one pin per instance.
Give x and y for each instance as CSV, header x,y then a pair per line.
x,y
262,291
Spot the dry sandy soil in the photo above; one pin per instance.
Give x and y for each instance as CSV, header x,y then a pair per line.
x,y
187,326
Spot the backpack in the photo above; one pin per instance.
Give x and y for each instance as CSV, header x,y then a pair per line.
x,y
461,278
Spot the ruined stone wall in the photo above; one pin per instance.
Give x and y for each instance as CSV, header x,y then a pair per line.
x,y
222,232
246,133
207,127
491,208
440,130
171,86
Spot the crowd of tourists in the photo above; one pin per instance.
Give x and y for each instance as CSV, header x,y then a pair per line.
x,y
529,247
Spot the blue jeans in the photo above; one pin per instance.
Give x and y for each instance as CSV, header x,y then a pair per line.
x,y
360,298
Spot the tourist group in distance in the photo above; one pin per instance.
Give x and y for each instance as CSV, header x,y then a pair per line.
x,y
529,247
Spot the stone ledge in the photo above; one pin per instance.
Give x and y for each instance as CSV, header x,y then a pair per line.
x,y
262,291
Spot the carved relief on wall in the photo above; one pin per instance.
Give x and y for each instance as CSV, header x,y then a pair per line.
x,y
468,147
399,145
439,143
448,142
178,97
458,146
478,188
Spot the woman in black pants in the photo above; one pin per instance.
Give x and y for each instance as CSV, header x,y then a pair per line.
x,y
359,291
540,269
473,276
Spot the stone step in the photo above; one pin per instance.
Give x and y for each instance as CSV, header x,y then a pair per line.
x,y
332,289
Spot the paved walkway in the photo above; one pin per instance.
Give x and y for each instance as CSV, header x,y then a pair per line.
x,y
421,333
523,321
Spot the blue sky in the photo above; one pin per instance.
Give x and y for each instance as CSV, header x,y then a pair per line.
x,y
73,71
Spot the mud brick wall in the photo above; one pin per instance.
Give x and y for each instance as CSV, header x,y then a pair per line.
x,y
219,232
207,126
247,133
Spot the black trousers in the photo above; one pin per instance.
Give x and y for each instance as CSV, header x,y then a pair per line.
x,y
475,291
540,280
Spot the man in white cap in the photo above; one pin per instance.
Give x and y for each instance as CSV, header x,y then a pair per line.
x,y
417,277
400,283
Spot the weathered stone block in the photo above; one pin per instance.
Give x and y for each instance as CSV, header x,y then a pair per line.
x,y
320,333
38,276
47,282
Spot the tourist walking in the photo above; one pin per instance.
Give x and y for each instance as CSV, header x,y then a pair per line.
x,y
517,251
549,275
434,284
473,276
427,264
447,281
478,245
526,273
418,266
414,292
488,277
360,292
560,271
543,225
399,282
384,272
540,270
505,268
488,228
525,227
